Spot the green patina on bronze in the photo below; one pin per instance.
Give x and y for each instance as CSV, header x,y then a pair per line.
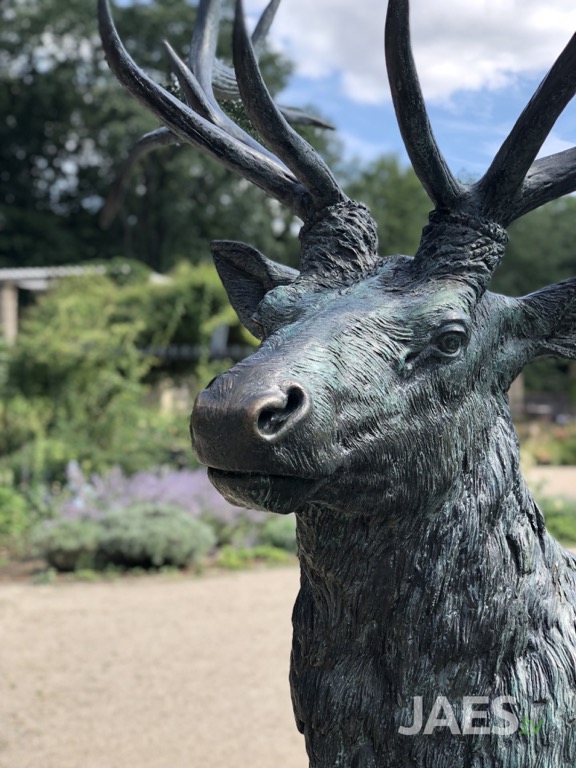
x,y
376,410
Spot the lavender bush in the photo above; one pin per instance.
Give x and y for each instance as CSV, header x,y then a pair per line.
x,y
147,518
190,490
152,535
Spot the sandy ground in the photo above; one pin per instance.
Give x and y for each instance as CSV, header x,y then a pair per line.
x,y
157,672
149,673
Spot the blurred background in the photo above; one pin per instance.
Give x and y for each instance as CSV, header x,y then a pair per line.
x,y
108,331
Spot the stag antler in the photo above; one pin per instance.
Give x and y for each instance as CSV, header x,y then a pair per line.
x,y
515,183
423,151
201,81
513,174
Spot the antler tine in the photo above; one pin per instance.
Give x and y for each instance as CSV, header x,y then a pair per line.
x,y
207,107
161,137
548,178
223,77
502,181
426,158
204,42
216,78
290,147
194,129
226,89
263,27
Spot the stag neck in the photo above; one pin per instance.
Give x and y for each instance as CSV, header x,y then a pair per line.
x,y
404,571
379,529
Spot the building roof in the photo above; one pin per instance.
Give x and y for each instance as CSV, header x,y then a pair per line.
x,y
38,278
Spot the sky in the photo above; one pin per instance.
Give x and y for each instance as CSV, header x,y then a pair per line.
x,y
479,62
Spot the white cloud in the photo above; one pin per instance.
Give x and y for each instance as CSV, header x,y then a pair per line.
x,y
554,144
457,45
362,149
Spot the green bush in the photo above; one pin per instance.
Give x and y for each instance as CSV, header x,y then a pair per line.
x,y
238,558
76,384
148,535
560,517
279,532
68,545
143,535
14,517
237,532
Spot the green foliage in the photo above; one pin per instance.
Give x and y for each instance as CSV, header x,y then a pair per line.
x,y
228,533
76,382
71,336
143,535
68,545
540,250
184,309
549,374
67,126
237,558
560,517
151,536
397,201
549,444
280,532
15,516
45,577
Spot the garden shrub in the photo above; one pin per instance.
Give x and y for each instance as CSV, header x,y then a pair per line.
x,y
188,489
143,535
560,517
279,532
76,383
238,558
68,545
14,517
152,535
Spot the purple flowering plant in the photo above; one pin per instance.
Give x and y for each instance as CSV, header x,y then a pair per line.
x,y
189,489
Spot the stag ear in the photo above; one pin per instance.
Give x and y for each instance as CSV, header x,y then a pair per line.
x,y
549,319
543,323
247,276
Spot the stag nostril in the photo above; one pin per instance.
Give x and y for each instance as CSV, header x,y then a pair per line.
x,y
272,419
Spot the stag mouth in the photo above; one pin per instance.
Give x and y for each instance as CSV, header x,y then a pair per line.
x,y
273,493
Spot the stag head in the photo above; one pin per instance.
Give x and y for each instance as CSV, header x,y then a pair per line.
x,y
379,381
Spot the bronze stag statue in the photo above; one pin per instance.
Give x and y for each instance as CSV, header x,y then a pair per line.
x,y
436,621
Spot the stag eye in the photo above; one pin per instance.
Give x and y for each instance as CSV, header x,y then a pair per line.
x,y
450,342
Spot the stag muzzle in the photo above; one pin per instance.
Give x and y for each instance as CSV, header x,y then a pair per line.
x,y
243,423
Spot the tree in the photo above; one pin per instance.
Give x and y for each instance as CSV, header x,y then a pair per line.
x,y
74,384
69,125
540,251
397,201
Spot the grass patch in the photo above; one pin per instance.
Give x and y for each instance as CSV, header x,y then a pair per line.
x,y
560,517
238,558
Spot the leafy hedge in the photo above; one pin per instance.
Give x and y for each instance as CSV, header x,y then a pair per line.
x,y
151,536
154,519
15,518
141,536
68,545
75,384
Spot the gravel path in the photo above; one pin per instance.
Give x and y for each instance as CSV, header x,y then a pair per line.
x,y
149,673
157,672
